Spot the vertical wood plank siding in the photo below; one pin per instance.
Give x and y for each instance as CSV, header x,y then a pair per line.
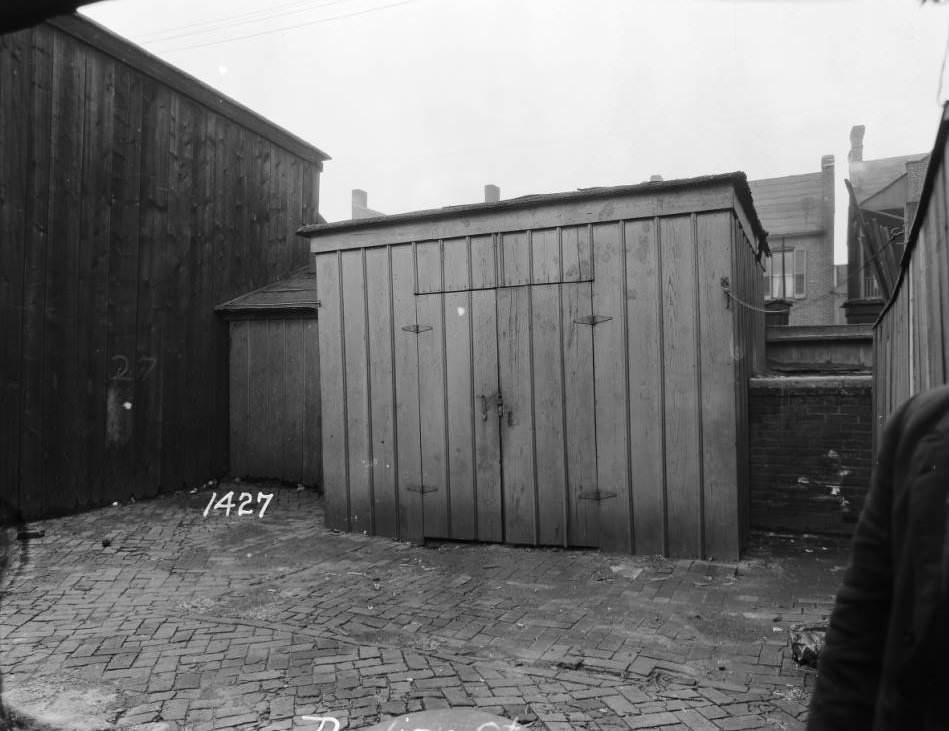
x,y
127,211
275,399
911,336
617,363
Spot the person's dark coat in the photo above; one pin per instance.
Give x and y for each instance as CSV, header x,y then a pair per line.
x,y
884,665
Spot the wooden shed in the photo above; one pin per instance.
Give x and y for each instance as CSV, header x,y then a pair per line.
x,y
274,381
567,369
133,199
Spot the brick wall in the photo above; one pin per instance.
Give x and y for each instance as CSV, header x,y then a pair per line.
x,y
817,307
810,452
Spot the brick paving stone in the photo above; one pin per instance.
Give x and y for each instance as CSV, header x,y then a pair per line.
x,y
735,723
652,720
620,705
695,720
175,612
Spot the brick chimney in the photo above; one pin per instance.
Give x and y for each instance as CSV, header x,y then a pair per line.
x,y
492,193
856,143
827,197
360,205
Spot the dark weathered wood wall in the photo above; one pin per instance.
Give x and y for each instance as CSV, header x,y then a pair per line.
x,y
629,434
911,337
275,399
132,200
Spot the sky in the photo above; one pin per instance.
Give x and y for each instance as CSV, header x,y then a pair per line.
x,y
423,102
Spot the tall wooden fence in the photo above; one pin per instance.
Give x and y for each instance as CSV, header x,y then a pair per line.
x,y
132,200
912,333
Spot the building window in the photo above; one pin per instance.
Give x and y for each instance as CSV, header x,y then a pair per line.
x,y
784,274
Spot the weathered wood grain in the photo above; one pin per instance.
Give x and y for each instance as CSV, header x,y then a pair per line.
x,y
577,256
153,295
62,412
611,388
519,217
484,266
583,513
333,391
459,404
545,256
428,263
312,473
436,497
515,257
517,427
646,403
682,400
135,210
358,416
379,319
14,191
34,444
548,400
611,349
123,268
93,286
487,434
719,421
239,390
405,394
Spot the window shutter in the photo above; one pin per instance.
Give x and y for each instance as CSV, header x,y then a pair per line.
x,y
800,268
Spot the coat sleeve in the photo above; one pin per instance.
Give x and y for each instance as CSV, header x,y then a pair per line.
x,y
850,665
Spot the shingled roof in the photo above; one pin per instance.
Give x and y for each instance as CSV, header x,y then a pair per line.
x,y
296,294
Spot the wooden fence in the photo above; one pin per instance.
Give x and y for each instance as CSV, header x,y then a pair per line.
x,y
910,336
133,199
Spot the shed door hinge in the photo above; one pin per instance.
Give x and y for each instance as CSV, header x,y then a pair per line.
x,y
416,328
596,495
592,319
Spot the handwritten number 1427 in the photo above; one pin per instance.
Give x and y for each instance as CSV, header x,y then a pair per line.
x,y
226,503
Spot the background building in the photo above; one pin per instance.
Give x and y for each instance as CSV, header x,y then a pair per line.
x,y
887,193
798,213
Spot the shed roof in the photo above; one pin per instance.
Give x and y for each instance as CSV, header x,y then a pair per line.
x,y
294,294
790,204
121,49
868,177
738,180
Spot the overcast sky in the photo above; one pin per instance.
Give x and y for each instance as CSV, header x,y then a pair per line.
x,y
422,102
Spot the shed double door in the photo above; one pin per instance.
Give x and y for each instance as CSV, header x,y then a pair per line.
x,y
506,411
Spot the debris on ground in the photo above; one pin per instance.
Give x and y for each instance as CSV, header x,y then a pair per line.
x,y
807,642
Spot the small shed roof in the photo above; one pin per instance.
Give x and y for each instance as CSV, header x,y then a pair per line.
x,y
738,180
296,294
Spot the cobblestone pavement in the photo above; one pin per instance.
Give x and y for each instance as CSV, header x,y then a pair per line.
x,y
187,622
